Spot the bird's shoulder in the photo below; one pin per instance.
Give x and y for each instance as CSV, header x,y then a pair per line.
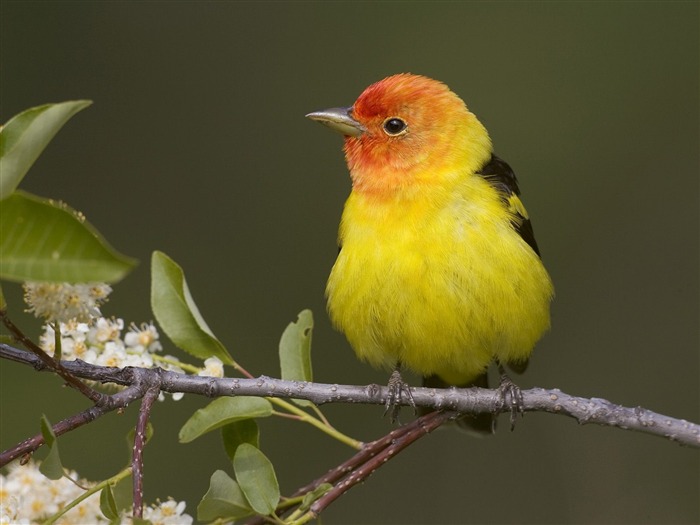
x,y
502,178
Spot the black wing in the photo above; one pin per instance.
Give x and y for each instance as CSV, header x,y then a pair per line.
x,y
501,176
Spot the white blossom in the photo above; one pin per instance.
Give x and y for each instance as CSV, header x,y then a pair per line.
x,y
104,330
9,509
143,338
168,512
63,301
28,497
101,343
213,367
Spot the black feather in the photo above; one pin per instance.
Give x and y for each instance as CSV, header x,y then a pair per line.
x,y
500,175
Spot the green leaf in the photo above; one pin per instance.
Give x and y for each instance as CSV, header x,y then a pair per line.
x,y
257,479
123,493
221,412
3,304
107,504
238,432
224,500
51,466
177,313
47,431
41,240
295,351
26,135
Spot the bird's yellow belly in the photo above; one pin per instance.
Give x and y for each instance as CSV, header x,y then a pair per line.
x,y
445,299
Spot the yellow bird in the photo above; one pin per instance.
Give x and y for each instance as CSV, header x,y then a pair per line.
x,y
438,270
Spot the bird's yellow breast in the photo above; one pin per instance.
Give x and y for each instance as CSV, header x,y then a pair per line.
x,y
440,282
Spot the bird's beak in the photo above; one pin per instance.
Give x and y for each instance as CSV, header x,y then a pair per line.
x,y
339,119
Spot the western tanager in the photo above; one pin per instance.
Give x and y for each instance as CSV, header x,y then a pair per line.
x,y
438,269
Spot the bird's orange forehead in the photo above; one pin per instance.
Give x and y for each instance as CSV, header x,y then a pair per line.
x,y
397,94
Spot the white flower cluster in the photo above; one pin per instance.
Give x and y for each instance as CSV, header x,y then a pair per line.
x,y
101,343
27,496
166,513
63,301
86,335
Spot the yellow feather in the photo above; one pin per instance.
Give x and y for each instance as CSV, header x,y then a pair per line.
x,y
441,285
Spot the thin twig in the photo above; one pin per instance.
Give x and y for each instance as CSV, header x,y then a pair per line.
x,y
139,443
414,431
118,400
363,464
54,364
368,451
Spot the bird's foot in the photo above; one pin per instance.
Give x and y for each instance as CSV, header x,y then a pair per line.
x,y
509,393
398,389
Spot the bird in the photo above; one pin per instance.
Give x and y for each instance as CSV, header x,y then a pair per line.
x,y
438,270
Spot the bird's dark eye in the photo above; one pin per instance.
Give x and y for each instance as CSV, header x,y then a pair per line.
x,y
394,126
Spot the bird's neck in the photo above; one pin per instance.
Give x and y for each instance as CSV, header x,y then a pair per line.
x,y
427,180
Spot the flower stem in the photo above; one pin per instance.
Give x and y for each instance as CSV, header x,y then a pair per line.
x,y
57,341
111,481
175,362
323,427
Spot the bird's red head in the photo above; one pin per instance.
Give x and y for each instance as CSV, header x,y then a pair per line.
x,y
413,133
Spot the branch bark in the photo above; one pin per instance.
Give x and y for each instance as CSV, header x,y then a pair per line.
x,y
467,400
139,443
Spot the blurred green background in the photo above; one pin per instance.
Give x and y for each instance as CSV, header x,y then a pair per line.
x,y
197,145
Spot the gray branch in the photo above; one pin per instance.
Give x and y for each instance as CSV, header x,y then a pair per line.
x,y
465,401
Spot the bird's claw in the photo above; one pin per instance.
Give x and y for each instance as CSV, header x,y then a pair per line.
x,y
398,388
509,393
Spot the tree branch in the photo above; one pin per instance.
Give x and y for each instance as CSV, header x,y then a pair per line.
x,y
467,400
